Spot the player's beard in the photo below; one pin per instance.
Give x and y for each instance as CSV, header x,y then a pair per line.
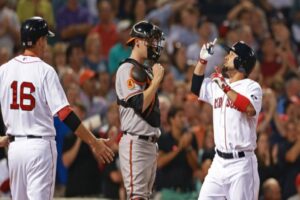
x,y
225,71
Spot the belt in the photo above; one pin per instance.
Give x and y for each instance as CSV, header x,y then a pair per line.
x,y
152,139
224,155
13,137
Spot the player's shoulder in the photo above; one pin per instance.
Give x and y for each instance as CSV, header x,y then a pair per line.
x,y
34,62
125,65
252,85
252,82
124,68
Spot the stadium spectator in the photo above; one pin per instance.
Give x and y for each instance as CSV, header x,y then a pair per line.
x,y
73,22
106,28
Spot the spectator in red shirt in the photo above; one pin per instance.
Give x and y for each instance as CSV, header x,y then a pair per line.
x,y
106,28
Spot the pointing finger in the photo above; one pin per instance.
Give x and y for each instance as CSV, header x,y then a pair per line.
x,y
215,41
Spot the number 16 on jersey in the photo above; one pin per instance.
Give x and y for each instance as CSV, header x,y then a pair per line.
x,y
23,93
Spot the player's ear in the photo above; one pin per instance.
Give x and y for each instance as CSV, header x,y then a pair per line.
x,y
137,42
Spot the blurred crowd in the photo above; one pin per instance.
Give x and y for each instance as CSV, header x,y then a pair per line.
x,y
90,43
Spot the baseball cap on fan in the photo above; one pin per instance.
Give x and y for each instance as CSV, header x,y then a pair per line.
x,y
85,75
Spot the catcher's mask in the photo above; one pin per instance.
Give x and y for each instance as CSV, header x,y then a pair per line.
x,y
245,60
152,34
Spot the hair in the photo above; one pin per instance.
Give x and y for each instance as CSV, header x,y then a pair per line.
x,y
267,185
173,112
70,49
59,48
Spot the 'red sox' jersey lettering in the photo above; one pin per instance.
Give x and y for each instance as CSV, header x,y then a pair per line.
x,y
219,101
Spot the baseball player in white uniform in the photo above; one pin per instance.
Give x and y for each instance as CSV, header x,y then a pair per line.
x,y
236,103
136,87
30,95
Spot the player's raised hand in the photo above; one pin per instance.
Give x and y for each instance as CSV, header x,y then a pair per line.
x,y
158,72
101,151
207,51
4,141
218,78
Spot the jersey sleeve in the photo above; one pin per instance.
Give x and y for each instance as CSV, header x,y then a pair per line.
x,y
55,95
206,91
126,86
254,94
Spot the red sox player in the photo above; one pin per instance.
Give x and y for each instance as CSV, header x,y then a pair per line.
x,y
30,95
236,103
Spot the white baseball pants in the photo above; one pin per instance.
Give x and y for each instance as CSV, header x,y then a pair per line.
x,y
231,179
32,168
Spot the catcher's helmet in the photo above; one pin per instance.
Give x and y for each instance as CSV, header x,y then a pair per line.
x,y
32,29
152,34
245,60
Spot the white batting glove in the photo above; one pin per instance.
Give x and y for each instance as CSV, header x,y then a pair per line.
x,y
218,78
207,51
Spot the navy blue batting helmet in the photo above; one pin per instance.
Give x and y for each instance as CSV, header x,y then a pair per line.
x,y
246,58
32,29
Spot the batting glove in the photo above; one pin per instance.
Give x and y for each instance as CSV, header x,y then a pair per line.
x,y
218,78
207,51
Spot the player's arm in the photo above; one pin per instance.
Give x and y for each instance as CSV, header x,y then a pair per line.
x,y
139,100
98,146
149,93
198,75
241,102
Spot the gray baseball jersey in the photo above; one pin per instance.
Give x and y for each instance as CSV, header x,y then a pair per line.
x,y
126,88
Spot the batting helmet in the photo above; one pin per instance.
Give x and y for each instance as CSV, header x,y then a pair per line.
x,y
152,34
245,60
32,29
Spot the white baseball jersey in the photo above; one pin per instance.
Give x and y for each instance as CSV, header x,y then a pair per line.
x,y
30,95
233,130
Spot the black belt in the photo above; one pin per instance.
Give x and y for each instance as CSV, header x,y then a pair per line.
x,y
152,139
224,155
12,137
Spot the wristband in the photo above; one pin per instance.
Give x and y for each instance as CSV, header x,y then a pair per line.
x,y
226,88
241,102
202,61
